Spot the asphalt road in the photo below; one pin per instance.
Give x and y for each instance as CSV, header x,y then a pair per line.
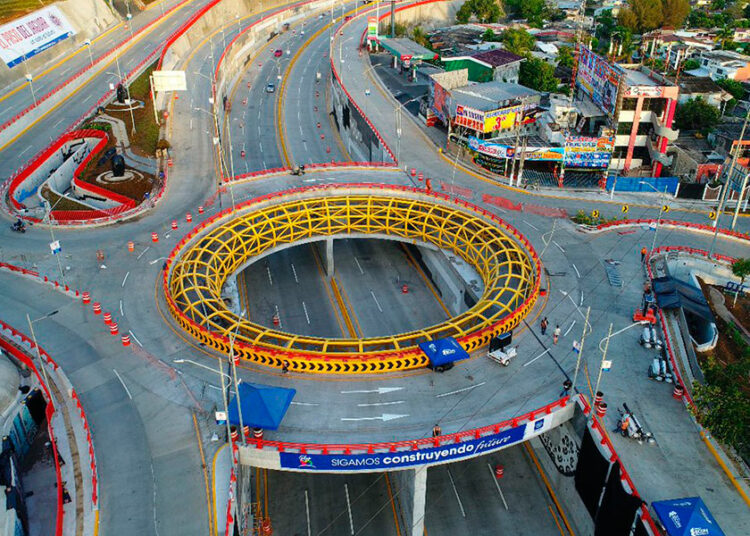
x,y
148,446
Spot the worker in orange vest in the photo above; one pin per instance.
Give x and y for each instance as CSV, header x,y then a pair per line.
x,y
622,426
643,253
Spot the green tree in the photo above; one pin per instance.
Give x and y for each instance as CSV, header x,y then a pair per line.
x,y
518,41
538,74
699,19
675,12
725,35
490,36
419,36
565,57
483,10
733,87
628,19
741,268
642,16
605,23
689,65
697,114
725,411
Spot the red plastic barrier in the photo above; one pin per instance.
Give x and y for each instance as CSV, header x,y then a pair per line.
x,y
501,202
675,223
50,410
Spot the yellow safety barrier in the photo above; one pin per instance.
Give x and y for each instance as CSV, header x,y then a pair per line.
x,y
201,263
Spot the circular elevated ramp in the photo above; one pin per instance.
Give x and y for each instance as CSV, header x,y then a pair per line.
x,y
203,261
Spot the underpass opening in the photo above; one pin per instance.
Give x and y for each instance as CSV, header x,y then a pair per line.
x,y
199,267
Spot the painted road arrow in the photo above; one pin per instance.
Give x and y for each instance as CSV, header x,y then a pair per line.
x,y
384,417
379,390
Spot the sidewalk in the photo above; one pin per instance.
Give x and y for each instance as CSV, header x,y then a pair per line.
x,y
220,470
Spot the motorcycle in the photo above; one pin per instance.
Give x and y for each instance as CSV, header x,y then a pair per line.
x,y
18,228
298,170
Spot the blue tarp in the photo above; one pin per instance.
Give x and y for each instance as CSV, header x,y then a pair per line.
x,y
634,184
684,517
263,406
443,351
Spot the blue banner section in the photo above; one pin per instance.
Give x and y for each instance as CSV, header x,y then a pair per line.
x,y
392,460
644,184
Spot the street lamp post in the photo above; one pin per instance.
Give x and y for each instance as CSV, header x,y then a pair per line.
x,y
36,344
662,196
397,117
87,44
30,80
222,375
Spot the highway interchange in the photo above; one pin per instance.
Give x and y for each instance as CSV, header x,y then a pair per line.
x,y
145,435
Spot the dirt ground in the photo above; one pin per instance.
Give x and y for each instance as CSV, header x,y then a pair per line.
x,y
726,350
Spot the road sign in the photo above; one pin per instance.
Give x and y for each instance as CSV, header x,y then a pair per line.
x,y
169,81
712,215
594,213
665,208
55,247
625,209
606,365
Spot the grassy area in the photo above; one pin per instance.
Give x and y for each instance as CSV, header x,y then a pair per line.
x,y
724,401
62,203
147,130
584,218
134,189
12,9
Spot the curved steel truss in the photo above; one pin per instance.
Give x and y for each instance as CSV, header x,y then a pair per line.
x,y
202,262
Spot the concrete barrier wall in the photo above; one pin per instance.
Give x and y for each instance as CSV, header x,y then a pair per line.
x,y
428,16
451,284
89,18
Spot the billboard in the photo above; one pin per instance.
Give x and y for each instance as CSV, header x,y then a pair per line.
x,y
379,461
547,154
599,80
470,118
440,99
583,151
29,35
502,119
492,149
169,81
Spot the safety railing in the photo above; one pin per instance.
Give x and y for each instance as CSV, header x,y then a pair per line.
x,y
40,279
675,223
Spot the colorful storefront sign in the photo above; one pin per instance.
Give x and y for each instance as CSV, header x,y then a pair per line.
x,y
372,28
502,119
27,36
582,151
470,118
495,150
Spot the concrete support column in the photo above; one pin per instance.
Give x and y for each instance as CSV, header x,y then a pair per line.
x,y
329,257
410,487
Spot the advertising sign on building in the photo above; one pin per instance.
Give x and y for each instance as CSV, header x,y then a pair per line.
x,y
470,118
491,149
599,80
547,154
380,461
583,151
502,119
372,28
406,59
440,98
27,36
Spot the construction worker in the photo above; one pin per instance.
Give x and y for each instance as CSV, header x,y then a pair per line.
x,y
643,253
437,431
622,425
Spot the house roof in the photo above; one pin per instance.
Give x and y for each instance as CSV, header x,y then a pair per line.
x,y
698,84
497,57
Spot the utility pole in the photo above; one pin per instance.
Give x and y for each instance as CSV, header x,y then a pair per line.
x,y
730,173
604,356
393,18
580,350
739,201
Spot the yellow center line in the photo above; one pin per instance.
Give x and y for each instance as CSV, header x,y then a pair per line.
x,y
211,524
549,488
552,513
393,504
340,301
351,309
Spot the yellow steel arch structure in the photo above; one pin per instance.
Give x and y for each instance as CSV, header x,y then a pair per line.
x,y
201,263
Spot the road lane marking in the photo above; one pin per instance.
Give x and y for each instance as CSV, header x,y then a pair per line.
x,y
307,510
537,357
531,225
307,317
135,338
270,279
558,246
384,417
379,390
121,313
497,484
311,404
349,507
458,498
295,276
394,403
577,272
460,390
376,301
568,330
125,279
361,271
142,252
123,384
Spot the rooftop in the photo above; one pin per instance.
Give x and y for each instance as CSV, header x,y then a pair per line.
x,y
497,57
637,78
402,46
491,95
698,84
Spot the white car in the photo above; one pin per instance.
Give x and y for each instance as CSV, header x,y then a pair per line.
x,y
270,88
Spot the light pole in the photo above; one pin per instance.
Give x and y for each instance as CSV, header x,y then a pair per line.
x,y
87,44
233,365
397,117
48,217
30,80
36,345
661,209
222,375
